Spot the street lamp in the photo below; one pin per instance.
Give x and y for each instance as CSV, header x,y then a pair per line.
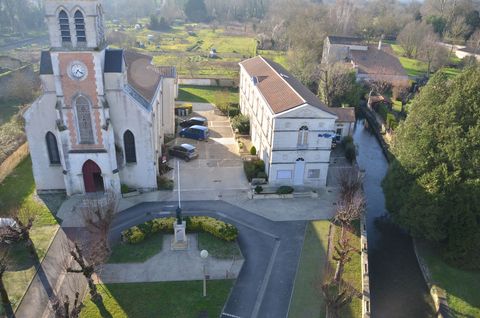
x,y
204,255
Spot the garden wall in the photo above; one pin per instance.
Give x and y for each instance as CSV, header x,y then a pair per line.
x,y
13,160
221,82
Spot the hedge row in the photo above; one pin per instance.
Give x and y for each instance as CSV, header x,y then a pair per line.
x,y
217,228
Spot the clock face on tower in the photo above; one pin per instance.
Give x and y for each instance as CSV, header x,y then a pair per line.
x,y
78,70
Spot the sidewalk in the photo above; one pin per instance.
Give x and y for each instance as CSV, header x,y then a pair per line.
x,y
171,265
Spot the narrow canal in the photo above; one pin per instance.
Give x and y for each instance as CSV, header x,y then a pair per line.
x,y
396,283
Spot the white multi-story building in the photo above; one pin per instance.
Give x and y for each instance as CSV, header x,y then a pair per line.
x,y
103,114
290,128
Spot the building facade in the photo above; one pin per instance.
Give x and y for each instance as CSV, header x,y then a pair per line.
x,y
103,114
290,128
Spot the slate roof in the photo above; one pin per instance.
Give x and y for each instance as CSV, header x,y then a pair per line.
x,y
346,40
281,90
141,74
377,62
113,61
46,63
344,114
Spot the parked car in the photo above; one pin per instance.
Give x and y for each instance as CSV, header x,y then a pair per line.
x,y
186,152
195,132
193,121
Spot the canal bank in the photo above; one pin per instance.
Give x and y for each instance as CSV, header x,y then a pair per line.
x,y
396,283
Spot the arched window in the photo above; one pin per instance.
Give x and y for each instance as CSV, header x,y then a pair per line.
x,y
80,27
64,27
84,119
129,145
302,136
52,148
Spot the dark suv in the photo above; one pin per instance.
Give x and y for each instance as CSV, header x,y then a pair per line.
x,y
193,121
186,152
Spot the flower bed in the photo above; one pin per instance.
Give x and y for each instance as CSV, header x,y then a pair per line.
x,y
217,228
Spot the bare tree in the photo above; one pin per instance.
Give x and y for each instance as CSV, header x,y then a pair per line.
x,y
4,264
338,85
336,294
86,268
24,219
456,30
474,42
62,309
429,48
98,216
411,38
342,256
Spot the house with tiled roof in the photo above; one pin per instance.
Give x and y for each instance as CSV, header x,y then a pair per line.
x,y
102,118
291,128
370,62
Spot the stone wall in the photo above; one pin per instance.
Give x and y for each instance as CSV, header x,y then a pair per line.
x,y
221,82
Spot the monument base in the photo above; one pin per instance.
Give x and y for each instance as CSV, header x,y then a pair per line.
x,y
180,240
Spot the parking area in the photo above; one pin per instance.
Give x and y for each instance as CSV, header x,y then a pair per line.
x,y
219,165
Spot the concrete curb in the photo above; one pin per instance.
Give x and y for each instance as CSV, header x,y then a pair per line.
x,y
364,264
438,294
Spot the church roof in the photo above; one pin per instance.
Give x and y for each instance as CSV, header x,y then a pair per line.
x,y
113,61
46,63
141,74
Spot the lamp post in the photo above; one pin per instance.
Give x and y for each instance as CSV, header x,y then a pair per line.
x,y
204,255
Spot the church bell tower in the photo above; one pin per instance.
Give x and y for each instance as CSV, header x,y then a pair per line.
x,y
75,24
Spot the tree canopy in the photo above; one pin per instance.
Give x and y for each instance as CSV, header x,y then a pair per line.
x,y
196,11
433,186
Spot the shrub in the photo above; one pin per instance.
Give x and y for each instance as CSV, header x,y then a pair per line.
x,y
124,188
350,152
391,121
347,140
258,189
163,183
241,123
217,228
285,190
253,168
253,151
262,175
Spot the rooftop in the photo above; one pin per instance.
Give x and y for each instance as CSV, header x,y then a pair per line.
x,y
345,114
377,62
336,39
281,90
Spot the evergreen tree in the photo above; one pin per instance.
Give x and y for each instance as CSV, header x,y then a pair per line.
x,y
196,11
433,187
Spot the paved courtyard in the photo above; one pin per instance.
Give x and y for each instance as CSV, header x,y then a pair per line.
x,y
219,166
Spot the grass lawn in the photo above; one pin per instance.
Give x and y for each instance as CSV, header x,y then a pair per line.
x,y
218,248
307,299
413,67
189,51
18,189
8,109
137,253
462,286
164,299
205,94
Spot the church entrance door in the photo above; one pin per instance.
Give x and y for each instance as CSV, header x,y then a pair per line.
x,y
92,177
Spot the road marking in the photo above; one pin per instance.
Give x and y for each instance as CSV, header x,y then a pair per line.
x,y
230,315
266,279
248,225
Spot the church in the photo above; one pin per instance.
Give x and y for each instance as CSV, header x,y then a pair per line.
x,y
104,113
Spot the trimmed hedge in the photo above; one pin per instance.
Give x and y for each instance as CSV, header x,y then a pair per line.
x,y
285,190
217,228
254,169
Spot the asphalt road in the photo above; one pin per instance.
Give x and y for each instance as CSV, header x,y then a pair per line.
x,y
271,251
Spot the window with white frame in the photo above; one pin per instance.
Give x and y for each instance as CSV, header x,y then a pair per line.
x,y
302,141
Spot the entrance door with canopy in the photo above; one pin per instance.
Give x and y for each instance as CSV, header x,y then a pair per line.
x,y
92,177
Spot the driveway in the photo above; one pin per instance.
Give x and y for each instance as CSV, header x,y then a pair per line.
x,y
219,165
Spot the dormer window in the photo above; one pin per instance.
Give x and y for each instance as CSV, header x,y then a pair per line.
x,y
64,27
80,27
